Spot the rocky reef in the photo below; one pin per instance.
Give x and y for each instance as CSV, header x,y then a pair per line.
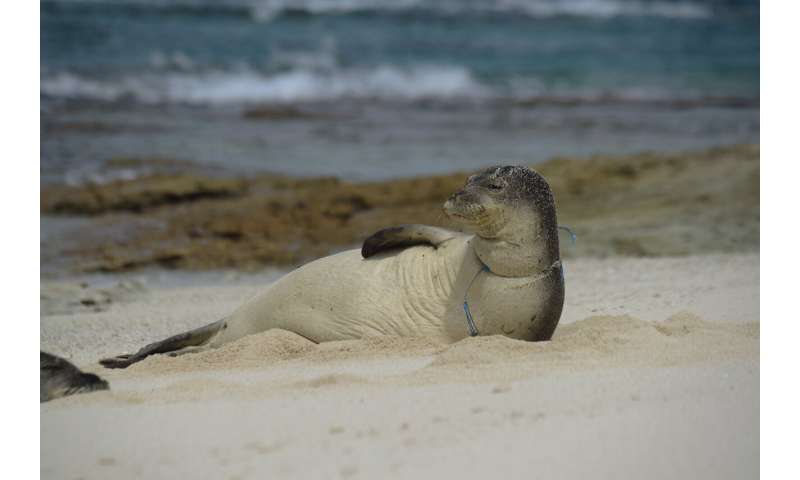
x,y
642,205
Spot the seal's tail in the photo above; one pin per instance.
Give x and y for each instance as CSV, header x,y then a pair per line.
x,y
192,338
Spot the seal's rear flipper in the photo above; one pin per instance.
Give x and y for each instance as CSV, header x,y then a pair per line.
x,y
404,236
59,378
192,338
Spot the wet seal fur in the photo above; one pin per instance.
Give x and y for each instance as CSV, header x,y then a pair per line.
x,y
411,280
59,378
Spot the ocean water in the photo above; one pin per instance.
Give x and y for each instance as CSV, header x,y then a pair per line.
x,y
384,88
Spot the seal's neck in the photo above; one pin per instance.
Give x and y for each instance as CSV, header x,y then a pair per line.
x,y
519,252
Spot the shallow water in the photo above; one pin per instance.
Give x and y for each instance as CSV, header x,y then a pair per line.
x,y
366,141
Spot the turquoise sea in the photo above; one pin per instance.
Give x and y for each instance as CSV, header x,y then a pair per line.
x,y
380,88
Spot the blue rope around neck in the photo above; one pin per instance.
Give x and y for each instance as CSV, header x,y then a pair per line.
x,y
572,235
473,330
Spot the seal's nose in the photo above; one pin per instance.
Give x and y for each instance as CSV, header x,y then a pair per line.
x,y
452,199
451,202
455,196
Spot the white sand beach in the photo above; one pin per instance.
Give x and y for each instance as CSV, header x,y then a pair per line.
x,y
652,373
191,152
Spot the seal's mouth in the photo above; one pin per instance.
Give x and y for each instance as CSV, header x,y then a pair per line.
x,y
476,212
462,207
455,215
458,209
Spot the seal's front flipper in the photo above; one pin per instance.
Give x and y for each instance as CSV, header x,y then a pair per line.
x,y
192,338
404,236
59,378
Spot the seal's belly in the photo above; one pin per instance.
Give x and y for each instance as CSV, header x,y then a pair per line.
x,y
513,307
343,296
418,291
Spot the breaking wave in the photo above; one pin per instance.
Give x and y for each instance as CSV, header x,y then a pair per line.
x,y
249,86
267,10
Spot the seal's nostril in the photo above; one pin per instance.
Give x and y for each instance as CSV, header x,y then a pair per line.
x,y
456,195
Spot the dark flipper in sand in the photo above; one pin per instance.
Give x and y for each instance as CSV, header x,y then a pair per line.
x,y
192,338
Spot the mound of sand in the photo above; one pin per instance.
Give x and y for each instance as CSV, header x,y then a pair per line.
x,y
611,340
598,341
253,351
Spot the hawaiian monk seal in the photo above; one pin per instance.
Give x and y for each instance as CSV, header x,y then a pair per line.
x,y
419,280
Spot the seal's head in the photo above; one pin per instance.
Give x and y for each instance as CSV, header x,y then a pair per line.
x,y
500,195
512,205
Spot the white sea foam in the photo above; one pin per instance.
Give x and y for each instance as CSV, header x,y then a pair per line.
x,y
609,8
318,82
248,86
267,10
